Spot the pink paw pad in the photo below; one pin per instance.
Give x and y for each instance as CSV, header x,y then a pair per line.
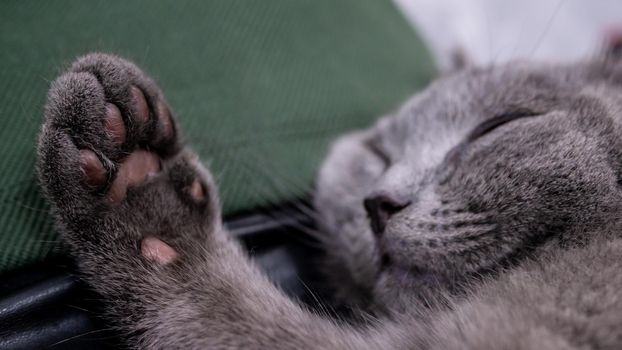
x,y
196,191
140,164
114,124
157,251
92,168
140,105
134,170
164,121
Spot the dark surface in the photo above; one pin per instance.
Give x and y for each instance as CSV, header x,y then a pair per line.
x,y
47,306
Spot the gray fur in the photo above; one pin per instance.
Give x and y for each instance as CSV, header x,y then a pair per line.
x,y
510,241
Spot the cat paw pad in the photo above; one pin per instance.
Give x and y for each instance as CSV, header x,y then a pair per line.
x,y
108,116
112,164
155,250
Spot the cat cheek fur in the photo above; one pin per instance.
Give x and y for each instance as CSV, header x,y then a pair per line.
x,y
514,188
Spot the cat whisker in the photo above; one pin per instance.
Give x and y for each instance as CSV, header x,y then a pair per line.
x,y
82,335
274,181
547,28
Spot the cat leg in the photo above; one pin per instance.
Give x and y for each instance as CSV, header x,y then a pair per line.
x,y
142,218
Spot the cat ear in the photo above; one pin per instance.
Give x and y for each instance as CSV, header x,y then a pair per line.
x,y
613,43
458,60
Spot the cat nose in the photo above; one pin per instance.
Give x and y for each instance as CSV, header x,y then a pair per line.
x,y
380,208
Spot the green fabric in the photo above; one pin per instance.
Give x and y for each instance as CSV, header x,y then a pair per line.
x,y
260,87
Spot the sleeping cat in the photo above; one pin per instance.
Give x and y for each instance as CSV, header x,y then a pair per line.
x,y
485,213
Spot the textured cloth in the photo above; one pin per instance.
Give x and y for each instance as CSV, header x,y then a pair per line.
x,y
259,86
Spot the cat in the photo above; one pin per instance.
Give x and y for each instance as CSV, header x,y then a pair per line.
x,y
482,214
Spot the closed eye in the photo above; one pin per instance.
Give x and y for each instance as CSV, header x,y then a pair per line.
x,y
454,155
495,122
378,152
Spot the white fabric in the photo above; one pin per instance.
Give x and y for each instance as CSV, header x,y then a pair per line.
x,y
499,30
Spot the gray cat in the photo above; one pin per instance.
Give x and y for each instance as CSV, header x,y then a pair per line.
x,y
483,214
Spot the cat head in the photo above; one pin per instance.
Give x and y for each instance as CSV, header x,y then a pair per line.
x,y
479,170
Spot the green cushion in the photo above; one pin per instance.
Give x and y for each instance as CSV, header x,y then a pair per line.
x,y
260,87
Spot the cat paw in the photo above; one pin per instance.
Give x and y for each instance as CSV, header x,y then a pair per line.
x,y
112,163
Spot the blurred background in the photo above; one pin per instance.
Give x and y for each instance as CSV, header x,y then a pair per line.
x,y
495,31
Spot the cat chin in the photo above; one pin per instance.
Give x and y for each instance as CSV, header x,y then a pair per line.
x,y
399,287
406,275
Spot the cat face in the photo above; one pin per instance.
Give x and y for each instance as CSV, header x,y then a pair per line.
x,y
479,170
